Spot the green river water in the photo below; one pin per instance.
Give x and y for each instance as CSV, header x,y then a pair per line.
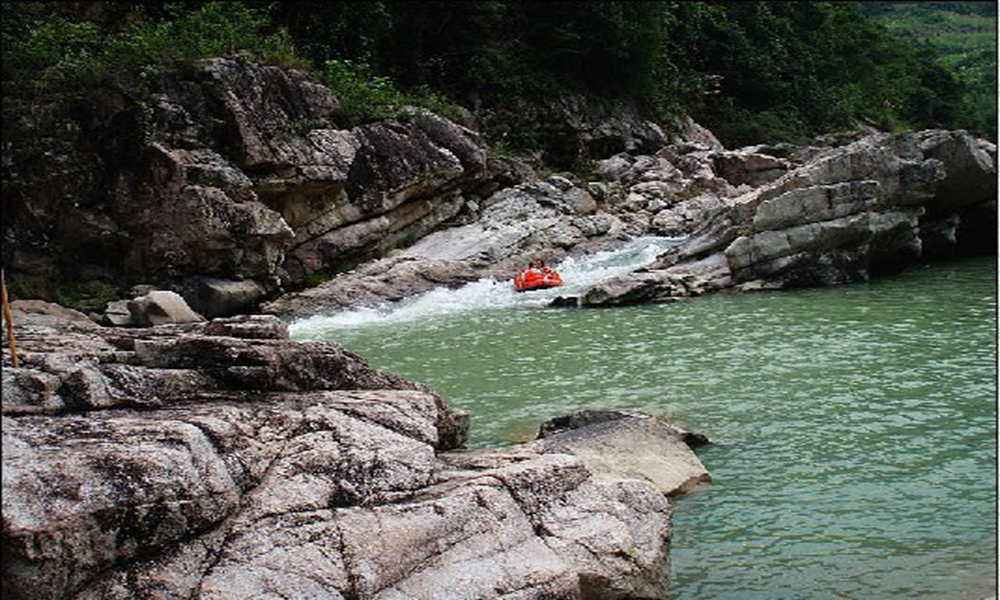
x,y
854,428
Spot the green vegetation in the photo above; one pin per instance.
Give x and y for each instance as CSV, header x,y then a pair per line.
x,y
750,71
87,296
365,96
962,38
315,279
50,48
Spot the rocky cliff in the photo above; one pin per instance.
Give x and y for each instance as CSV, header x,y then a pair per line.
x,y
829,215
226,171
228,181
762,217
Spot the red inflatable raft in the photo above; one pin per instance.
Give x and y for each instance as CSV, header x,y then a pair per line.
x,y
536,279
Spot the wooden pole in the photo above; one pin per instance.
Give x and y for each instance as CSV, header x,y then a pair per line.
x,y
10,321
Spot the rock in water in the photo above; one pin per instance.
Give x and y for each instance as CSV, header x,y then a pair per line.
x,y
836,215
629,444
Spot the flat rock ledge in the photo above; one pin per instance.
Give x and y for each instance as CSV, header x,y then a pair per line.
x,y
222,460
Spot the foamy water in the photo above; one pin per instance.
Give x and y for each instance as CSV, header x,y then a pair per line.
x,y
489,294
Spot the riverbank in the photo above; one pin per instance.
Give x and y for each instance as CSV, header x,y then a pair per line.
x,y
222,460
282,208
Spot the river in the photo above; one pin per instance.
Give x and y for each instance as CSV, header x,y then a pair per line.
x,y
854,427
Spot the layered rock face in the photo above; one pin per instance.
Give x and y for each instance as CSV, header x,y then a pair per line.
x,y
231,174
761,217
233,179
541,218
828,216
221,460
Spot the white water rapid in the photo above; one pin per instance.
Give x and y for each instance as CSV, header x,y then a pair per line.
x,y
486,294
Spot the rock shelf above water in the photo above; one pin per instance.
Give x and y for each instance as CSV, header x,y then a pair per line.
x,y
221,460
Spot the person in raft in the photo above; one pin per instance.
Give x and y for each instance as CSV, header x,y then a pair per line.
x,y
539,265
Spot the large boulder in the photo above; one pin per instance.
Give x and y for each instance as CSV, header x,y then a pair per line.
x,y
687,131
42,311
746,167
634,445
214,297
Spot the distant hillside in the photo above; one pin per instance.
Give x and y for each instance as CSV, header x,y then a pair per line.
x,y
963,38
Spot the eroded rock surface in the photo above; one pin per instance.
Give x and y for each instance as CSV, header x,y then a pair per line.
x,y
746,220
836,215
221,460
230,180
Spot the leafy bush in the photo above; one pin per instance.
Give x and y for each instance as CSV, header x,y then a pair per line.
x,y
87,296
58,50
52,50
365,96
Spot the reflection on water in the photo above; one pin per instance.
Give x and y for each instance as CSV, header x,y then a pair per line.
x,y
855,427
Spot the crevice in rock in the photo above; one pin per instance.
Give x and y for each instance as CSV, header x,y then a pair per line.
x,y
230,521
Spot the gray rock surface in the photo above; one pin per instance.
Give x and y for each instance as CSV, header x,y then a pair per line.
x,y
232,181
213,297
548,219
117,314
221,460
612,444
838,214
749,221
160,307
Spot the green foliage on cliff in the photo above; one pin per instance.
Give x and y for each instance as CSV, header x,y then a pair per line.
x,y
50,48
488,52
789,70
751,71
365,96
